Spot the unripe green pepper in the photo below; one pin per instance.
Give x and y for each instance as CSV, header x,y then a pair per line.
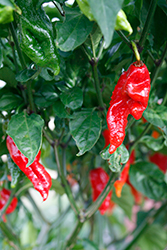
x,y
36,36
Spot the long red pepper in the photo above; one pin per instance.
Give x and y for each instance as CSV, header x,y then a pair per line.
x,y
4,196
36,173
98,180
130,96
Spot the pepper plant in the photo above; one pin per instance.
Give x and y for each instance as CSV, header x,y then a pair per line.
x,y
60,62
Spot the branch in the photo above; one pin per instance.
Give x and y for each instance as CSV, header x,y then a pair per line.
x,y
150,15
65,183
138,232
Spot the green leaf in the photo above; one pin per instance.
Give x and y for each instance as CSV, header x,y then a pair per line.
x,y
85,129
149,180
36,36
154,238
10,101
7,3
7,75
73,98
25,75
157,117
1,55
14,171
122,22
126,200
105,13
59,109
152,143
26,132
3,148
162,4
95,37
85,8
67,32
46,96
6,14
57,187
120,156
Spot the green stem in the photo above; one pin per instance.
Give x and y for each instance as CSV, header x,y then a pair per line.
x,y
86,52
30,97
93,48
37,209
96,204
136,52
124,38
65,183
133,144
157,68
22,61
24,188
97,85
100,50
10,235
148,22
71,241
144,226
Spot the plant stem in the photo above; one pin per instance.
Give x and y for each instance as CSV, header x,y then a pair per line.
x,y
36,208
97,85
100,50
157,68
96,204
133,144
71,241
10,235
144,226
65,183
148,22
124,38
30,97
22,61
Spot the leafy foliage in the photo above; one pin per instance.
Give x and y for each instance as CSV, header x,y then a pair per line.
x,y
59,63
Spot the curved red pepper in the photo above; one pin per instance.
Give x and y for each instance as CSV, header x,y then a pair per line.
x,y
36,173
4,196
98,180
130,96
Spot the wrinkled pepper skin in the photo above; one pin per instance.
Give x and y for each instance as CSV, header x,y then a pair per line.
x,y
160,160
36,173
130,96
4,196
98,180
36,35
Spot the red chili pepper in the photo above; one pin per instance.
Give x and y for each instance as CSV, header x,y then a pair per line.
x,y
160,160
106,135
4,196
36,173
98,180
130,96
124,175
